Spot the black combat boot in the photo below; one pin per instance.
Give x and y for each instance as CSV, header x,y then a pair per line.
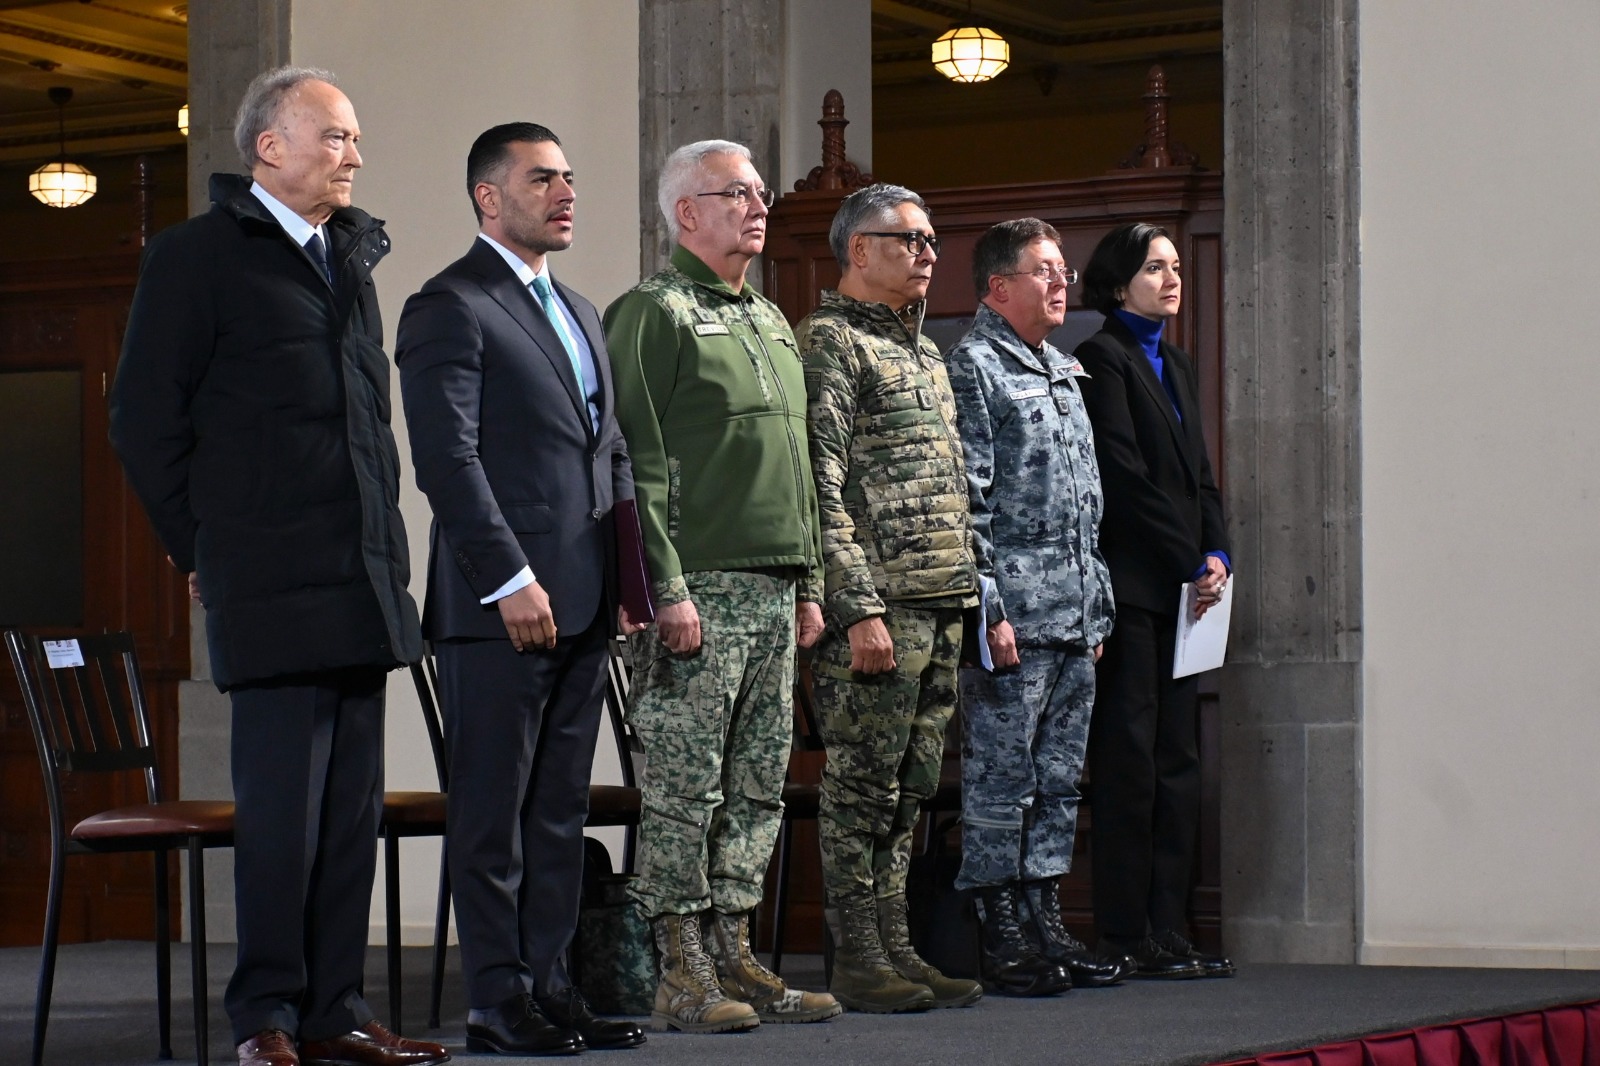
x,y
1009,963
1050,936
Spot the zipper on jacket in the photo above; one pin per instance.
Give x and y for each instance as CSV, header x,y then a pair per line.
x,y
788,428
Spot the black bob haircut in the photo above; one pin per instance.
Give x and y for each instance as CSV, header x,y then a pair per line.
x,y
1116,259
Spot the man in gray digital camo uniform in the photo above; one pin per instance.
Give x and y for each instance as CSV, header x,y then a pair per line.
x,y
710,395
899,571
1035,494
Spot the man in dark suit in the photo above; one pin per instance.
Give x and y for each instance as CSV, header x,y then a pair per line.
x,y
509,405
251,411
1162,527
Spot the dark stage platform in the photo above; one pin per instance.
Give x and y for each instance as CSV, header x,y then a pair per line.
x,y
104,1015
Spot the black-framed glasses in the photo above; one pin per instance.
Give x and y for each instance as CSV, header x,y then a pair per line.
x,y
741,195
1047,274
915,242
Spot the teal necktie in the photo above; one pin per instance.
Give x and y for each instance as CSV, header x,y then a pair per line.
x,y
547,300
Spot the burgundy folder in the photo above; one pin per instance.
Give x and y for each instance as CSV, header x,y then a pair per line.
x,y
633,572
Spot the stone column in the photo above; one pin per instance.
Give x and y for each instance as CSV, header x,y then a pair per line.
x,y
230,42
1291,697
707,69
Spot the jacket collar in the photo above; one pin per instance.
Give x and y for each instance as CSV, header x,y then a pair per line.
x,y
989,325
902,326
695,269
1153,386
231,193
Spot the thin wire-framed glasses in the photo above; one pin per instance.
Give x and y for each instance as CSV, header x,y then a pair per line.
x,y
915,241
1049,275
741,195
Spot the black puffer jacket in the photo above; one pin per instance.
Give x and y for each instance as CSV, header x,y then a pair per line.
x,y
251,413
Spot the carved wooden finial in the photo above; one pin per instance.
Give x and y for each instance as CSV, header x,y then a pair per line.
x,y
836,171
1158,150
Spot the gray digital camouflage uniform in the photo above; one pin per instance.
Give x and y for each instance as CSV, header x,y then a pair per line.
x,y
892,497
1034,489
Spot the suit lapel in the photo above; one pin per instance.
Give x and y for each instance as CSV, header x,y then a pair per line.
x,y
589,322
1158,393
507,290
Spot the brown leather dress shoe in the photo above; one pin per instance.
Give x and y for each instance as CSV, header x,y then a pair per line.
x,y
270,1047
371,1045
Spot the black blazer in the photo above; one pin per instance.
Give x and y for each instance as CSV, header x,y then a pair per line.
x,y
1163,511
504,450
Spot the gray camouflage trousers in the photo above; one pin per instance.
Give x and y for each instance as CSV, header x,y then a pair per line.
x,y
716,729
1024,734
885,739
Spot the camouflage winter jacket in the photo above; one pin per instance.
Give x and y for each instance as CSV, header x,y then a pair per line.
x,y
1034,485
709,397
887,460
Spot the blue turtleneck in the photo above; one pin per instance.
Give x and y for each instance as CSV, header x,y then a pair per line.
x,y
1148,333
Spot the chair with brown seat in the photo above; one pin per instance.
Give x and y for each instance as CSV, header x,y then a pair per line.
x,y
86,705
609,805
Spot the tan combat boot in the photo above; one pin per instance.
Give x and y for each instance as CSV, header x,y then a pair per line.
x,y
744,978
896,932
689,997
863,978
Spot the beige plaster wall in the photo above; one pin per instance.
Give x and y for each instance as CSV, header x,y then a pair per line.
x,y
426,78
1480,389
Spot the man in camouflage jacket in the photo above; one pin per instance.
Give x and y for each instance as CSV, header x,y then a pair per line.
x,y
899,564
709,392
1036,504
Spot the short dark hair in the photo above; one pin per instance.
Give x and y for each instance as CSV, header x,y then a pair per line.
x,y
489,153
1116,259
874,205
998,250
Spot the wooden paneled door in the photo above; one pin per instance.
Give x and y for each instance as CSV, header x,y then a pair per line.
x,y
78,554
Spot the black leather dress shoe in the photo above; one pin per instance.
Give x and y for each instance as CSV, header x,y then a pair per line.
x,y
568,1009
518,1027
1151,961
1179,945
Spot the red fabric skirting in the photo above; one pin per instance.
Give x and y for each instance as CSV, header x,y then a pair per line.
x,y
1560,1036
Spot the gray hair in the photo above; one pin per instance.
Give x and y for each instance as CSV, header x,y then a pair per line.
x,y
872,207
681,170
262,102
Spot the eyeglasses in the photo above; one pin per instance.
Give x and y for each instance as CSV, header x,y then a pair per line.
x,y
741,195
1049,275
915,242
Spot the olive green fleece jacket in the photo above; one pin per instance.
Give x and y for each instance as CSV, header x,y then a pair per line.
x,y
711,397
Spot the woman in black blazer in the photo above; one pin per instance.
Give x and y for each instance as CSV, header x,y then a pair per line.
x,y
1162,527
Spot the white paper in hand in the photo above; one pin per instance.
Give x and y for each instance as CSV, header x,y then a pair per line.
x,y
1201,643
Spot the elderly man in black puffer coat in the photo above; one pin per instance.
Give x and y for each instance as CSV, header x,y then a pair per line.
x,y
251,412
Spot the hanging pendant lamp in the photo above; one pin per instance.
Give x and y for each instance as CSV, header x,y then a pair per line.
x,y
62,183
970,53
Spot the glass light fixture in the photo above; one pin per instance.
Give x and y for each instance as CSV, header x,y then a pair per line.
x,y
971,53
62,183
183,120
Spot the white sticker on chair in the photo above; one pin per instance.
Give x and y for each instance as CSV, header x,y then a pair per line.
x,y
63,653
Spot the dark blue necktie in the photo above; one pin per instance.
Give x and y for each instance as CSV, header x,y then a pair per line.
x,y
319,255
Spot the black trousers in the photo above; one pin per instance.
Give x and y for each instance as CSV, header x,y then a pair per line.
x,y
1145,764
520,730
308,790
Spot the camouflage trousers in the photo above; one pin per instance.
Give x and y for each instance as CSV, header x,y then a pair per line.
x,y
1023,738
716,730
885,739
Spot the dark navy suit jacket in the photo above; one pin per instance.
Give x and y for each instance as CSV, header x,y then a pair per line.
x,y
504,448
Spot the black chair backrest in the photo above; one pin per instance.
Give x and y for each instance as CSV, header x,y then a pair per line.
x,y
630,749
426,678
86,705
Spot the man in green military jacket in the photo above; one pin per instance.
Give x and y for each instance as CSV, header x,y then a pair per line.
x,y
710,395
892,493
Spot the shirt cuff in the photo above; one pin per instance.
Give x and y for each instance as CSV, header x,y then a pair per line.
x,y
523,579
1227,564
